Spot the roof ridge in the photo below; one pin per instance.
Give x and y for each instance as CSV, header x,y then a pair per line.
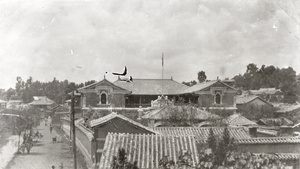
x,y
114,115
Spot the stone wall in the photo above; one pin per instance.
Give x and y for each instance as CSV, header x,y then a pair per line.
x,y
84,140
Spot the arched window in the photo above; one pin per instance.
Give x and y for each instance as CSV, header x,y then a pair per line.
x,y
103,98
218,98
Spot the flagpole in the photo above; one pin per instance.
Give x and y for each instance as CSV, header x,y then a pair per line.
x,y
162,74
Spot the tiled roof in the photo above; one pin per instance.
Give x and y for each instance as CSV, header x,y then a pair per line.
x,y
288,156
248,98
238,120
285,107
281,121
202,133
2,101
265,91
269,140
267,132
147,150
41,100
199,114
104,81
113,115
152,86
201,86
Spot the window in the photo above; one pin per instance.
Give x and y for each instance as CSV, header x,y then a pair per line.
x,y
103,98
218,98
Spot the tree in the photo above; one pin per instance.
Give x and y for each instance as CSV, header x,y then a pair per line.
x,y
221,149
211,140
201,76
191,83
120,162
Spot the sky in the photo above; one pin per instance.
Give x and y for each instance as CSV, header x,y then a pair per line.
x,y
81,40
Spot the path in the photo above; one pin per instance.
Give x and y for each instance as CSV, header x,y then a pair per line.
x,y
44,153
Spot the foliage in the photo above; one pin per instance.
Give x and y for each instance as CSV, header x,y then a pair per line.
x,y
211,140
240,160
179,115
221,148
269,77
201,76
223,112
120,162
191,83
185,160
54,90
166,163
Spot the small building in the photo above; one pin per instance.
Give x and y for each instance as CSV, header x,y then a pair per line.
x,y
268,94
252,101
3,104
13,104
148,149
286,108
279,121
114,123
42,104
236,120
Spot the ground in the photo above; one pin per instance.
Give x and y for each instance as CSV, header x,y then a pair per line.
x,y
45,153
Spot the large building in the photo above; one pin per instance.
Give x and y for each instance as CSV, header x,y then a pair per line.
x,y
211,94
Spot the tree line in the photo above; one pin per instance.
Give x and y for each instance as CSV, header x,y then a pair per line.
x,y
55,90
270,77
264,77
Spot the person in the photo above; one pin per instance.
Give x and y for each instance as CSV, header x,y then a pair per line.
x,y
46,121
52,167
37,134
51,128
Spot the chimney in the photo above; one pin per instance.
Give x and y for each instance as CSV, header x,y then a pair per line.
x,y
140,113
253,131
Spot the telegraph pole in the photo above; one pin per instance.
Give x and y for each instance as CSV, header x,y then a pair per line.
x,y
73,127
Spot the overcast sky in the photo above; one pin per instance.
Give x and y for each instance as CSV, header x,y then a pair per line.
x,y
81,40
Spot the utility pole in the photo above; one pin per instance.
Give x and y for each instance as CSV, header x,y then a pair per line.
x,y
73,127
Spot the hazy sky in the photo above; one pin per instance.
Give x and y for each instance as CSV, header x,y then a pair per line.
x,y
46,39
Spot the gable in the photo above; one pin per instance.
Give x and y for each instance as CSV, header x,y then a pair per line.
x,y
118,125
103,86
216,87
258,101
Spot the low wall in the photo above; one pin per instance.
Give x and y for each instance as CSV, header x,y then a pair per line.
x,y
84,139
270,148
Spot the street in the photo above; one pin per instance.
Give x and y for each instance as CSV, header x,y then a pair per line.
x,y
44,153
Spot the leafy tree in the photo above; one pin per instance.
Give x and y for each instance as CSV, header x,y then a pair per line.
x,y
191,83
201,76
211,140
221,149
120,162
166,163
